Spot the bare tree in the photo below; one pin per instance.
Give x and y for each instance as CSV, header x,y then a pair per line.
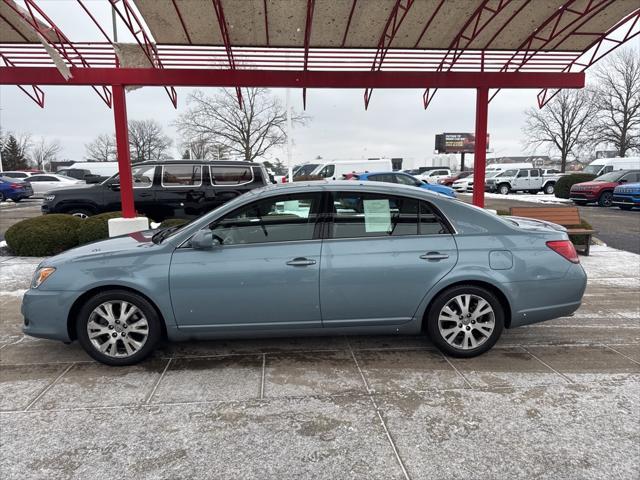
x,y
147,141
249,131
204,148
564,124
617,95
43,152
101,149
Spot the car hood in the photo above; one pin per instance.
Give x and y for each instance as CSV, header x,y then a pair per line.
x,y
628,187
77,188
124,244
595,184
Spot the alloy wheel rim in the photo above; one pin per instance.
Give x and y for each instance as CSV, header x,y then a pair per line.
x,y
83,216
466,321
607,199
117,328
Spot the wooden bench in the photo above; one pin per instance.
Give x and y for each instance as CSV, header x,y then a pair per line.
x,y
568,217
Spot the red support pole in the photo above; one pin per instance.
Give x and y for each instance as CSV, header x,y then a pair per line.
x,y
480,151
122,144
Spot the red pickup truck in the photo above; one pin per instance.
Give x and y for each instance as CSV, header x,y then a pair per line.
x,y
600,189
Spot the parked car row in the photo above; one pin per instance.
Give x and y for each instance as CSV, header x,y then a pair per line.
x,y
601,189
402,178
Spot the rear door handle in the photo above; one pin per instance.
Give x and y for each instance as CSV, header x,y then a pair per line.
x,y
434,256
301,262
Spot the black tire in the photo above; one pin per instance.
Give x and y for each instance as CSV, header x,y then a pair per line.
x,y
80,212
606,199
581,203
17,200
549,188
154,331
504,189
447,296
625,207
2,199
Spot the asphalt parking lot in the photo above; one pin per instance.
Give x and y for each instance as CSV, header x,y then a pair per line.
x,y
555,400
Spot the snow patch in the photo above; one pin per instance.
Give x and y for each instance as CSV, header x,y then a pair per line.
x,y
529,197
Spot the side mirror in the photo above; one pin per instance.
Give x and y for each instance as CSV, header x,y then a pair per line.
x,y
203,240
115,187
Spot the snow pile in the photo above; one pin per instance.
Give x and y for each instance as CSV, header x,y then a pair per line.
x,y
529,197
16,274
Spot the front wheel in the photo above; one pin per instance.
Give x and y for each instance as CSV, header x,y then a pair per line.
x,y
118,327
82,213
606,199
549,188
465,321
504,189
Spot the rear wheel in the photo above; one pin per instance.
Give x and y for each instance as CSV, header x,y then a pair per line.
x,y
465,321
2,198
606,199
504,189
17,199
118,327
549,188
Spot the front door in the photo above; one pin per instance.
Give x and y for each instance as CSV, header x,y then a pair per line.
x,y
383,255
521,182
263,275
143,191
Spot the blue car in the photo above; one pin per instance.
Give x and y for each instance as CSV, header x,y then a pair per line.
x,y
295,259
405,179
14,189
627,195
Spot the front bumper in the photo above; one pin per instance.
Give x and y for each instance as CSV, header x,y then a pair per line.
x,y
583,196
631,200
46,313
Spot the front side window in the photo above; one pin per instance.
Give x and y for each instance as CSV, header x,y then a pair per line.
x,y
231,175
187,175
327,171
42,178
285,218
523,173
142,176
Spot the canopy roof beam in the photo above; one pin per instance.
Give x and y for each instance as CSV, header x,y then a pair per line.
x,y
398,12
129,17
56,40
224,31
625,30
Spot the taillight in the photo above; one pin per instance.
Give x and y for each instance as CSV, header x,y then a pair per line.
x,y
284,180
564,248
15,186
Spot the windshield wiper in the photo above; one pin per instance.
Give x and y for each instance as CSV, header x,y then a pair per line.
x,y
162,234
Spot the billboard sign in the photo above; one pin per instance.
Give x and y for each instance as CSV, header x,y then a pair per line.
x,y
457,142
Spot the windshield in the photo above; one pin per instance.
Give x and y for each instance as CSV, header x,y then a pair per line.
x,y
303,170
507,173
592,169
492,173
609,177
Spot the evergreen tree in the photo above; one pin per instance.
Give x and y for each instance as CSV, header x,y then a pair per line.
x,y
14,155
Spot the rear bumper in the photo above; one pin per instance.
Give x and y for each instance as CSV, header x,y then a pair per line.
x,y
46,313
541,301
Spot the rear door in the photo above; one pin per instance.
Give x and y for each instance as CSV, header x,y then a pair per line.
x,y
181,192
382,255
535,179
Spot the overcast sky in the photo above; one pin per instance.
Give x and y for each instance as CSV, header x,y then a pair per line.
x,y
395,125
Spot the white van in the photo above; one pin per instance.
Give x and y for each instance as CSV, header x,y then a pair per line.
x,y
605,165
103,169
336,170
501,167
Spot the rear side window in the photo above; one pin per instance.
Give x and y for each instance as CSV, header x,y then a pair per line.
x,y
187,175
358,215
43,178
430,222
231,175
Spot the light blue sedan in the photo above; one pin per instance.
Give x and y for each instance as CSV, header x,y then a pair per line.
x,y
318,258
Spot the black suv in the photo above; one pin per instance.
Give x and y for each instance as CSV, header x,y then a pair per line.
x,y
166,189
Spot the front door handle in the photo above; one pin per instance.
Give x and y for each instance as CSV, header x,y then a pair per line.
x,y
434,256
301,262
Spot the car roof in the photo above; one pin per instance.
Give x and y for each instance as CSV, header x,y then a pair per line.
x,y
219,163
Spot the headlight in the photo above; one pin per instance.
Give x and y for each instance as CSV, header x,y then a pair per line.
x,y
41,275
49,197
